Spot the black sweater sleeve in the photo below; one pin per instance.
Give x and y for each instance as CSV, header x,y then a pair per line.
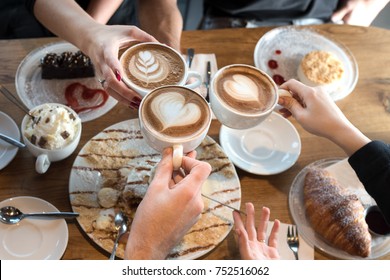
x,y
30,5
372,166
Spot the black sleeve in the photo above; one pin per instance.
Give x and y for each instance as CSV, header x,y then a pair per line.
x,y
372,166
30,5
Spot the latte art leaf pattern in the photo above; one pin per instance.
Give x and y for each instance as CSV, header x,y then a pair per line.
x,y
241,87
172,110
149,67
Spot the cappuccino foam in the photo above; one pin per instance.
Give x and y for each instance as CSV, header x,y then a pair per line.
x,y
245,89
151,65
175,112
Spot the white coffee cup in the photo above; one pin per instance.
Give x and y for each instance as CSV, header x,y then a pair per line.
x,y
246,86
46,156
151,65
174,116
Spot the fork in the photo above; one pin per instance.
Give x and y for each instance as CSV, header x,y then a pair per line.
x,y
293,240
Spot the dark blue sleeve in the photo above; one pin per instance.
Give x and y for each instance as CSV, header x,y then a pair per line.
x,y
372,166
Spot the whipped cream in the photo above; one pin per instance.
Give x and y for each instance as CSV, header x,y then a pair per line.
x,y
56,127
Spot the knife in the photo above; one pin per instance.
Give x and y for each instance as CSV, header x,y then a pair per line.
x,y
207,80
12,141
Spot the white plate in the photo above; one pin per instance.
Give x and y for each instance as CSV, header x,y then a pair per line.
x,y
9,128
380,246
33,239
119,158
294,43
33,90
269,148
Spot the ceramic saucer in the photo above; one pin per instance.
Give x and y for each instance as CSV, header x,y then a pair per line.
x,y
33,239
9,128
269,148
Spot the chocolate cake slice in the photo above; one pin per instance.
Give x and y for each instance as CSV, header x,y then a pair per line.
x,y
67,65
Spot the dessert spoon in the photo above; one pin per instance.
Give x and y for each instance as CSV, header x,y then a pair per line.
x,y
15,101
12,215
121,226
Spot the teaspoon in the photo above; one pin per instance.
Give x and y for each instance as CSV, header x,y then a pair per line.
x,y
12,215
121,226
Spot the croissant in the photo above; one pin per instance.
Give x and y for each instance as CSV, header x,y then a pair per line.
x,y
336,214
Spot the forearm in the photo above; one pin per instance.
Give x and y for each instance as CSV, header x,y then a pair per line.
x,y
102,10
349,138
163,20
66,19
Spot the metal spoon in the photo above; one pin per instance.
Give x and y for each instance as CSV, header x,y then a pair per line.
x,y
12,141
12,215
121,226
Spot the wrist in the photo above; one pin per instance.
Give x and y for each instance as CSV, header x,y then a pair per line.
x,y
350,139
138,250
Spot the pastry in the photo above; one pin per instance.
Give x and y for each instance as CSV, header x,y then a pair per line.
x,y
335,214
66,65
320,68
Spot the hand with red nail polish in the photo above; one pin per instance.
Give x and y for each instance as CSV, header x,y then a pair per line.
x,y
102,43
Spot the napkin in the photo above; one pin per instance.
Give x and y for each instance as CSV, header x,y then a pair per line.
x,y
199,64
348,179
305,252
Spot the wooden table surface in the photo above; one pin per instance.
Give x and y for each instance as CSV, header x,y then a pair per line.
x,y
363,107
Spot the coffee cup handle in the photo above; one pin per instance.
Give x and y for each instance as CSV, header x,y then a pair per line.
x,y
281,92
177,157
195,80
42,163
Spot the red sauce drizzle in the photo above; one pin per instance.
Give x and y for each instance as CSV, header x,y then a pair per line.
x,y
71,95
278,79
273,64
278,52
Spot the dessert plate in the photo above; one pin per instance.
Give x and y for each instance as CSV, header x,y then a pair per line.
x,y
280,51
269,148
118,158
9,128
33,239
342,171
33,90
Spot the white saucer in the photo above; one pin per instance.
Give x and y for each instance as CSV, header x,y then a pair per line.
x,y
33,239
269,148
9,128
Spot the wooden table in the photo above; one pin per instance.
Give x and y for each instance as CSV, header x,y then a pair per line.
x,y
363,107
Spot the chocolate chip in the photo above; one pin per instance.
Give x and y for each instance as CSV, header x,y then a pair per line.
x,y
33,139
65,134
47,120
72,117
42,142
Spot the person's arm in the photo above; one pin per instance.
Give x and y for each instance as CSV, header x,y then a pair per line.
x,y
162,19
102,10
318,114
100,42
168,210
358,12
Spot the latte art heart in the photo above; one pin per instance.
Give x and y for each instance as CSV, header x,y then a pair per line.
x,y
172,110
242,88
149,67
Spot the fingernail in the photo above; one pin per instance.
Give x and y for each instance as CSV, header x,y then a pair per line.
x,y
134,105
136,100
118,75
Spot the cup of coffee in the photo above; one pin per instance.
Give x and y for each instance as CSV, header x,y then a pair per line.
x,y
174,116
151,65
52,134
242,96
